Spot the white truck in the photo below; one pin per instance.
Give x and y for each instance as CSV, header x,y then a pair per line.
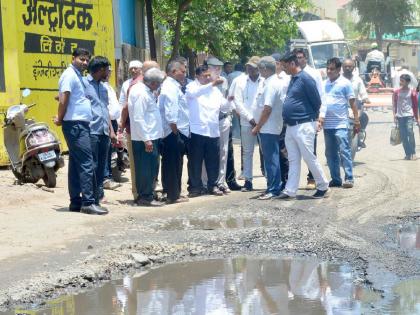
x,y
322,40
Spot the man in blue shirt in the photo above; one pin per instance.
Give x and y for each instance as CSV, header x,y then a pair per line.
x,y
100,125
334,118
300,114
74,115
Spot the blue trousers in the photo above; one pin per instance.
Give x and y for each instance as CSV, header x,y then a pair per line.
x,y
100,147
338,149
108,171
271,155
80,172
407,134
147,168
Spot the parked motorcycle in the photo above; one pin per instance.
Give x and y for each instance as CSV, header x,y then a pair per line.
x,y
119,156
33,149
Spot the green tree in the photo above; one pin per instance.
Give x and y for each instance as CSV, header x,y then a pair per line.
x,y
230,29
383,16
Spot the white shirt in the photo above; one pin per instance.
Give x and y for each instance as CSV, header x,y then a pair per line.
x,y
145,120
123,93
397,75
376,55
359,88
316,76
205,103
113,104
272,95
245,91
285,79
173,107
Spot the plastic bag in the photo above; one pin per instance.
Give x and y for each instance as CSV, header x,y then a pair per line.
x,y
395,138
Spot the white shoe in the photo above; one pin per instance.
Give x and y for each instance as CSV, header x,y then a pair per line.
x,y
110,184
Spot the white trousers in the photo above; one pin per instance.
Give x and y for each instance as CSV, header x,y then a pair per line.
x,y
224,128
300,144
248,145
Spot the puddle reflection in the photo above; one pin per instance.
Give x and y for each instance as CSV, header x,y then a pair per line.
x,y
237,286
409,237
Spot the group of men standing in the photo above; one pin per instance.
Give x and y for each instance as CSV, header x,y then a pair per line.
x,y
280,100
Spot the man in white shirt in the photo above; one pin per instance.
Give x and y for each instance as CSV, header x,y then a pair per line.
x,y
397,75
303,63
176,130
135,70
375,56
146,131
269,124
245,91
284,161
205,102
361,95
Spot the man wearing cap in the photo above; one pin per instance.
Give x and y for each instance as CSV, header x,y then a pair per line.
x,y
375,56
245,91
269,123
300,113
135,69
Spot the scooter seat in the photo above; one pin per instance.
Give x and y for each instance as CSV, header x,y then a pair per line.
x,y
33,127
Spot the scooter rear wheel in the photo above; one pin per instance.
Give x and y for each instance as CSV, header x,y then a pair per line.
x,y
50,178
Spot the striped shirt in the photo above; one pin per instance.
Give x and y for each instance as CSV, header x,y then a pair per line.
x,y
335,103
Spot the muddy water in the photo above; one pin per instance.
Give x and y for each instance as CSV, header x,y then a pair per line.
x,y
237,286
409,237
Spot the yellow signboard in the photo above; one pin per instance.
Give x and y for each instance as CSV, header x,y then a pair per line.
x,y
38,38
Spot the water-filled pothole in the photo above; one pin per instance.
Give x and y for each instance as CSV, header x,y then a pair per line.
x,y
408,236
238,286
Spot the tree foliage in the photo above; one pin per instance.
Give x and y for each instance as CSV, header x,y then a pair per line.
x,y
229,29
383,16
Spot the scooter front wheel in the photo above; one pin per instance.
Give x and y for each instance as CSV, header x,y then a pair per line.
x,y
50,178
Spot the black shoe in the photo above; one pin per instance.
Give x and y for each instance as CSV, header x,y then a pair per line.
x,y
194,194
234,185
319,194
247,186
93,209
334,184
148,203
74,208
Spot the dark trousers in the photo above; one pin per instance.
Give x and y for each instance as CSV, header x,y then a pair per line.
x,y
205,149
284,162
310,176
80,172
147,166
100,148
230,167
174,147
108,171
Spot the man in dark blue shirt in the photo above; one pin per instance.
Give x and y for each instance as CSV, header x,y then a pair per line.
x,y
100,124
300,114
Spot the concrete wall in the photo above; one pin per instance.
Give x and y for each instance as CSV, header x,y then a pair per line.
x,y
326,9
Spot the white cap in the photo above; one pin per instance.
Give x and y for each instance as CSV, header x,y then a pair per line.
x,y
135,64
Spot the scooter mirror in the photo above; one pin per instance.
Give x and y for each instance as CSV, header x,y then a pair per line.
x,y
26,92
